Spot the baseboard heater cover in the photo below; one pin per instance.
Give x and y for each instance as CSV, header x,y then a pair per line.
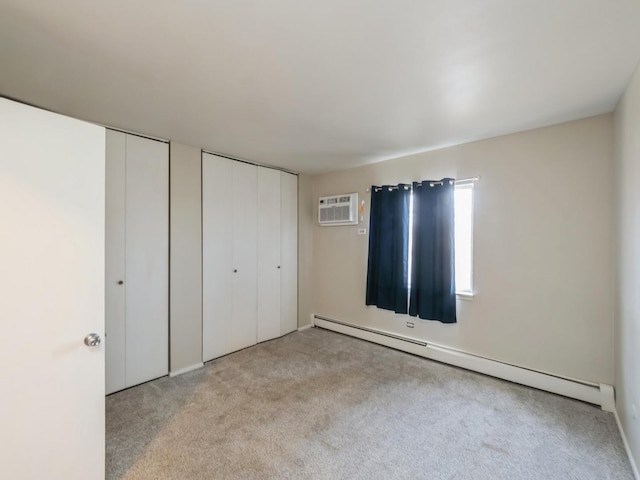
x,y
597,394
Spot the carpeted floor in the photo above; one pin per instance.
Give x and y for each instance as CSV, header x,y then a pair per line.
x,y
320,405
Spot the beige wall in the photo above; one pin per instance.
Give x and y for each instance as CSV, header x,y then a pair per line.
x,y
305,249
185,257
627,332
542,249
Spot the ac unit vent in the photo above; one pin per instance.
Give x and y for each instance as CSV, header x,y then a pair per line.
x,y
338,210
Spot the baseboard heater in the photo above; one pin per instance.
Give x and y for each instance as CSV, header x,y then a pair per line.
x,y
597,394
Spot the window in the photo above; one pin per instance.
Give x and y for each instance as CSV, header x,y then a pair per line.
x,y
420,248
463,208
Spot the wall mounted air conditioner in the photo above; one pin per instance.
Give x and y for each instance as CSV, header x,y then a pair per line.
x,y
338,210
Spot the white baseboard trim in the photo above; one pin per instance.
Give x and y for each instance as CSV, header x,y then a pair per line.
x,y
304,327
634,466
186,369
597,394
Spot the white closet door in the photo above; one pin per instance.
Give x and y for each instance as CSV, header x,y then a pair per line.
x,y
115,261
147,259
268,254
217,256
289,253
245,255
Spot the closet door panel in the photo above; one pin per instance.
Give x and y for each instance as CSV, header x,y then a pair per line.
x,y
289,253
268,254
114,341
147,256
217,256
245,254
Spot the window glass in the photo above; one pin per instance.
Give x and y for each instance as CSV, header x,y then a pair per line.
x,y
463,210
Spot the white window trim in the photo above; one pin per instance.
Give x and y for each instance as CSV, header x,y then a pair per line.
x,y
466,296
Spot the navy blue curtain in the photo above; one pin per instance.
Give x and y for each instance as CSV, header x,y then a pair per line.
x,y
433,285
387,272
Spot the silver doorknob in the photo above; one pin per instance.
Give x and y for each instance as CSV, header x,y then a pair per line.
x,y
92,340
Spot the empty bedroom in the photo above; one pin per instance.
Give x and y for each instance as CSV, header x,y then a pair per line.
x,y
320,240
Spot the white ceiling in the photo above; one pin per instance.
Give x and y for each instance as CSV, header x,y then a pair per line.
x,y
314,86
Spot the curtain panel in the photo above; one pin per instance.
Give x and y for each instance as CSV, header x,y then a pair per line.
x,y
433,291
387,272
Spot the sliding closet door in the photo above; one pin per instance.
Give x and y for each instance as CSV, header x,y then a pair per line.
x,y
147,259
217,256
289,252
245,255
268,254
115,262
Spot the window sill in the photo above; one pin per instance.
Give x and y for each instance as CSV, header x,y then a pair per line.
x,y
466,296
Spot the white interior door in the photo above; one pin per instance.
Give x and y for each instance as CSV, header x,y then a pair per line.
x,y
245,255
147,260
289,252
217,256
52,177
268,254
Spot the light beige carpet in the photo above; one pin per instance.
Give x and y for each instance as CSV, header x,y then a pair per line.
x,y
319,405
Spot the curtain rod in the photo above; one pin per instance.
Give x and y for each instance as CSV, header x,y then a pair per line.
x,y
431,184
467,180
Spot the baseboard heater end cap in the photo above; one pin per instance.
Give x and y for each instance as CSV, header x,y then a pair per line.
x,y
607,398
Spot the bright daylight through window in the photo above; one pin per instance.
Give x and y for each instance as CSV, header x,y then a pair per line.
x,y
463,212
